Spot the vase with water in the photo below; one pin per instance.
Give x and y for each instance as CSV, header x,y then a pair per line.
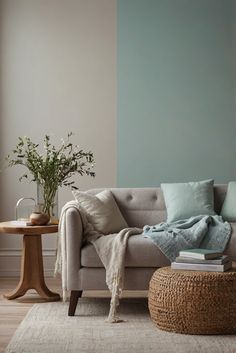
x,y
47,200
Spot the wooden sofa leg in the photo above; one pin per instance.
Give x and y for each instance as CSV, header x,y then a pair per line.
x,y
74,296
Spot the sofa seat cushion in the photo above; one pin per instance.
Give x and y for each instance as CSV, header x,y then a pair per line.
x,y
140,252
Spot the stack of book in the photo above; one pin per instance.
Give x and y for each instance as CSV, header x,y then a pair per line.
x,y
201,260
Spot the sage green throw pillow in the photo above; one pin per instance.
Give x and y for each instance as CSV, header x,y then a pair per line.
x,y
228,211
185,200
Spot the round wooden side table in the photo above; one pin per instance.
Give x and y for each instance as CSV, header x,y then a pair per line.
x,y
31,275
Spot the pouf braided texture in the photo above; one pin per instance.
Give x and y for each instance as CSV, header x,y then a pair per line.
x,y
193,302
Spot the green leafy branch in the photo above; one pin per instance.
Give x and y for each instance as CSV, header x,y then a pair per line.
x,y
53,169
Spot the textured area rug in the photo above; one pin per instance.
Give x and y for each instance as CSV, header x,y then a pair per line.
x,y
48,329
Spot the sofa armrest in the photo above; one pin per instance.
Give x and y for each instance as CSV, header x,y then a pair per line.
x,y
74,234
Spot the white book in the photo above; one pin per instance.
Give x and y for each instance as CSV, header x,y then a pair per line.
x,y
20,223
201,267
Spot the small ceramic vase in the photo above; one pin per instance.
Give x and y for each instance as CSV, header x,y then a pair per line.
x,y
39,218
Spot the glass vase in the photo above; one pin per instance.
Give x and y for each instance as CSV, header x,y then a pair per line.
x,y
47,202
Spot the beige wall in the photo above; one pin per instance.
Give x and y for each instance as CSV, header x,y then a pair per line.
x,y
58,74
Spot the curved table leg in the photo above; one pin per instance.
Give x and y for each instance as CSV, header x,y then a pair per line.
x,y
19,291
32,276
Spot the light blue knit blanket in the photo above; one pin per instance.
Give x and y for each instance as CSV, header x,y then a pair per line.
x,y
207,232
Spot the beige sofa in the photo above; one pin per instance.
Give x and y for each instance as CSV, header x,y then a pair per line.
x,y
139,206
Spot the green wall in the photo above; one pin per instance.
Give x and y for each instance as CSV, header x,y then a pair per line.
x,y
176,118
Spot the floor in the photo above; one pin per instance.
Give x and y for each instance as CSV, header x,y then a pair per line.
x,y
12,312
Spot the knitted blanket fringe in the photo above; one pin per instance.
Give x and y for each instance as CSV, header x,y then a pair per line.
x,y
110,249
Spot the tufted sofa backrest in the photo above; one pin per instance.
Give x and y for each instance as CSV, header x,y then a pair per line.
x,y
141,206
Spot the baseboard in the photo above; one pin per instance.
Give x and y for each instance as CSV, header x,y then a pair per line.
x,y
10,259
17,252
16,273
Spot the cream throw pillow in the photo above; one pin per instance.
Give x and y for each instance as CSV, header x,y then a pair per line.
x,y
101,211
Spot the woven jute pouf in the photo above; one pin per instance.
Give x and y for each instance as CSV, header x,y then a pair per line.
x,y
193,302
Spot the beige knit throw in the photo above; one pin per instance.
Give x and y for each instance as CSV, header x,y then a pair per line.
x,y
110,248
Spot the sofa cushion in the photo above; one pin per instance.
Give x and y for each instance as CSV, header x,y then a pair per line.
x,y
231,246
228,211
140,252
101,211
185,200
